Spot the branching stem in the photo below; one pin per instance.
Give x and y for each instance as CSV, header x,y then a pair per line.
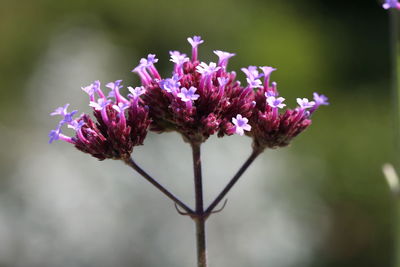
x,y
171,196
233,181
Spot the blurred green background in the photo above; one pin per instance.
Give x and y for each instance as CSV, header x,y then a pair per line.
x,y
320,202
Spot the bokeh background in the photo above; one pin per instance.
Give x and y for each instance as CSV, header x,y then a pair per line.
x,y
320,202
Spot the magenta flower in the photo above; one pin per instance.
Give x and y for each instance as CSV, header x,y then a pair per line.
x,y
271,129
200,99
391,4
121,124
217,94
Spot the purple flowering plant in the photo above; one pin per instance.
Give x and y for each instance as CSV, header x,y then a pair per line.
x,y
199,100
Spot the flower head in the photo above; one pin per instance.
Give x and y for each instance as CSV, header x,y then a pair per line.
x,y
115,133
272,127
391,4
222,106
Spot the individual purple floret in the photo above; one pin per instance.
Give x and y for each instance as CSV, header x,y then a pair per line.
x,y
92,89
136,92
120,108
149,63
188,95
391,4
275,102
101,104
171,85
121,124
60,111
194,42
253,77
241,124
304,103
320,99
223,57
179,59
207,69
67,116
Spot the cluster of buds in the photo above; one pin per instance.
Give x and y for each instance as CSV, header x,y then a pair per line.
x,y
121,123
198,100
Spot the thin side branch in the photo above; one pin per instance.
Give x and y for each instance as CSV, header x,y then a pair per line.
x,y
171,196
232,182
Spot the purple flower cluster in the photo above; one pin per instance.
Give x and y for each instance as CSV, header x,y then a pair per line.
x,y
273,129
198,100
391,4
121,123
